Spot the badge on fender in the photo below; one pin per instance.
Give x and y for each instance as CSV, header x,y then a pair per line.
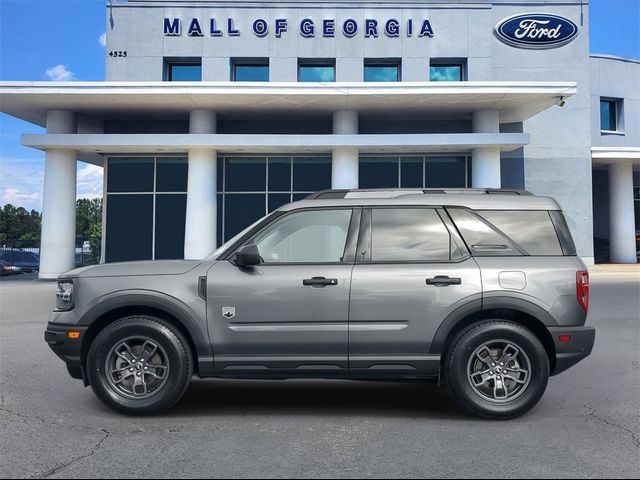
x,y
228,312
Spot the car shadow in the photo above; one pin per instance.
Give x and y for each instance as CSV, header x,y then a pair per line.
x,y
316,397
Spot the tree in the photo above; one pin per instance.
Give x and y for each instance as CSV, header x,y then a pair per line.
x,y
88,214
16,223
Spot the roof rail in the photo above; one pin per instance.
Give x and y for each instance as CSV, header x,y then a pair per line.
x,y
398,192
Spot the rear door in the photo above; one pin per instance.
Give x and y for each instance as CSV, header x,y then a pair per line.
x,y
412,271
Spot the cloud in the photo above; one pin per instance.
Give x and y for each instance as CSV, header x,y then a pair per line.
x,y
102,40
89,181
59,73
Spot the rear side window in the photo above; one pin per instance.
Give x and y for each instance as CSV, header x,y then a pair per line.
x,y
483,239
531,230
409,235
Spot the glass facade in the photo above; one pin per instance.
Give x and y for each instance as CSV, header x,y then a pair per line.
x,y
249,187
446,72
145,208
314,71
415,171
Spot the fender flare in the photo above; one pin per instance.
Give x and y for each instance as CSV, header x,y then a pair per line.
x,y
155,300
509,302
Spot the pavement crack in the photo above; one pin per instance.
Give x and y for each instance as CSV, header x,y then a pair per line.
x,y
73,461
634,435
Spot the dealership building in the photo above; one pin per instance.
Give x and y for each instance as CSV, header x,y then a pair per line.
x,y
215,113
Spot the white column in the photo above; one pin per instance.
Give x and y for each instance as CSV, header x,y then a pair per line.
x,y
622,232
485,166
201,222
344,163
58,231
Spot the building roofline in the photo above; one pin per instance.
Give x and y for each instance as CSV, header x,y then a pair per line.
x,y
615,57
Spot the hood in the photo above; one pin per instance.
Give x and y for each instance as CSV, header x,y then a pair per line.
x,y
131,269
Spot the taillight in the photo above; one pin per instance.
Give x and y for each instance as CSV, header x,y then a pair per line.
x,y
582,289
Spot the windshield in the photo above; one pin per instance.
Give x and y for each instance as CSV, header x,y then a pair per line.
x,y
222,248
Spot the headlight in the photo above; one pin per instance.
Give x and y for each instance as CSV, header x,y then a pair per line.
x,y
64,295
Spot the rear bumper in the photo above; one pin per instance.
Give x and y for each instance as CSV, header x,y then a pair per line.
x,y
67,349
572,352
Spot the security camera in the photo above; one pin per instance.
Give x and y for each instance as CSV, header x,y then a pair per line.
x,y
560,101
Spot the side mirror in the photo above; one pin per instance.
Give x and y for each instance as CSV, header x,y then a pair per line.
x,y
248,256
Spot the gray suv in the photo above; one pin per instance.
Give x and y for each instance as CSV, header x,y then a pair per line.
x,y
478,289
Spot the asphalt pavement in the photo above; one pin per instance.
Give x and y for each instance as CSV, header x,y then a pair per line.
x,y
586,425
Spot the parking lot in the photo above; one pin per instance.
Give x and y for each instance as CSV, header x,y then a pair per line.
x,y
586,425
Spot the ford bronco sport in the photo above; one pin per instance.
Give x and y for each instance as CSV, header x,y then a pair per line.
x,y
480,290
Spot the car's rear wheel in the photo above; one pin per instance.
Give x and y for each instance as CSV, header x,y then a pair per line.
x,y
139,365
497,369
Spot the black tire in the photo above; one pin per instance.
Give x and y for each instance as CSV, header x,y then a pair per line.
x,y
475,399
164,392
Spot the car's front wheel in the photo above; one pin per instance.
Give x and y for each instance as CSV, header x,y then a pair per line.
x,y
139,365
497,369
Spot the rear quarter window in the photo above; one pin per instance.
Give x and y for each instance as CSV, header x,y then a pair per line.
x,y
533,231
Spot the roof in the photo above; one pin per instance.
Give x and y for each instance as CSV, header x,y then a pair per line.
x,y
516,101
470,198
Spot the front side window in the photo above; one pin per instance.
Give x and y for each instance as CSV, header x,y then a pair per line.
x,y
408,234
313,236
316,71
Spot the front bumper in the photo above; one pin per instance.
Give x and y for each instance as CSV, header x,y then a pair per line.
x,y
572,352
67,349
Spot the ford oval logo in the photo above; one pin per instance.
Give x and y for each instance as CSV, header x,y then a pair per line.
x,y
536,30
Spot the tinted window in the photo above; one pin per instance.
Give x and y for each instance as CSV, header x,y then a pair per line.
x,y
246,174
564,234
279,174
378,172
242,210
170,214
411,234
171,175
608,120
531,230
381,73
481,239
316,73
445,172
306,237
130,175
446,73
276,200
311,174
411,174
184,72
129,227
251,73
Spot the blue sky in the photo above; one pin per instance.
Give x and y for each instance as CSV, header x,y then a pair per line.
x,y
61,40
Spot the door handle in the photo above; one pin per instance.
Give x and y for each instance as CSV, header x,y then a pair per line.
x,y
319,281
443,281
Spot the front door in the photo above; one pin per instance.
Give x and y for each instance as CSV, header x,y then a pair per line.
x,y
289,314
412,271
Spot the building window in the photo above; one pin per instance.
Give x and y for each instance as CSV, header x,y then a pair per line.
x,y
249,187
415,171
183,70
447,70
381,70
153,190
250,70
610,115
317,70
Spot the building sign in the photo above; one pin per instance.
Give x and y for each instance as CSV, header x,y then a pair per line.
x,y
536,31
309,28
